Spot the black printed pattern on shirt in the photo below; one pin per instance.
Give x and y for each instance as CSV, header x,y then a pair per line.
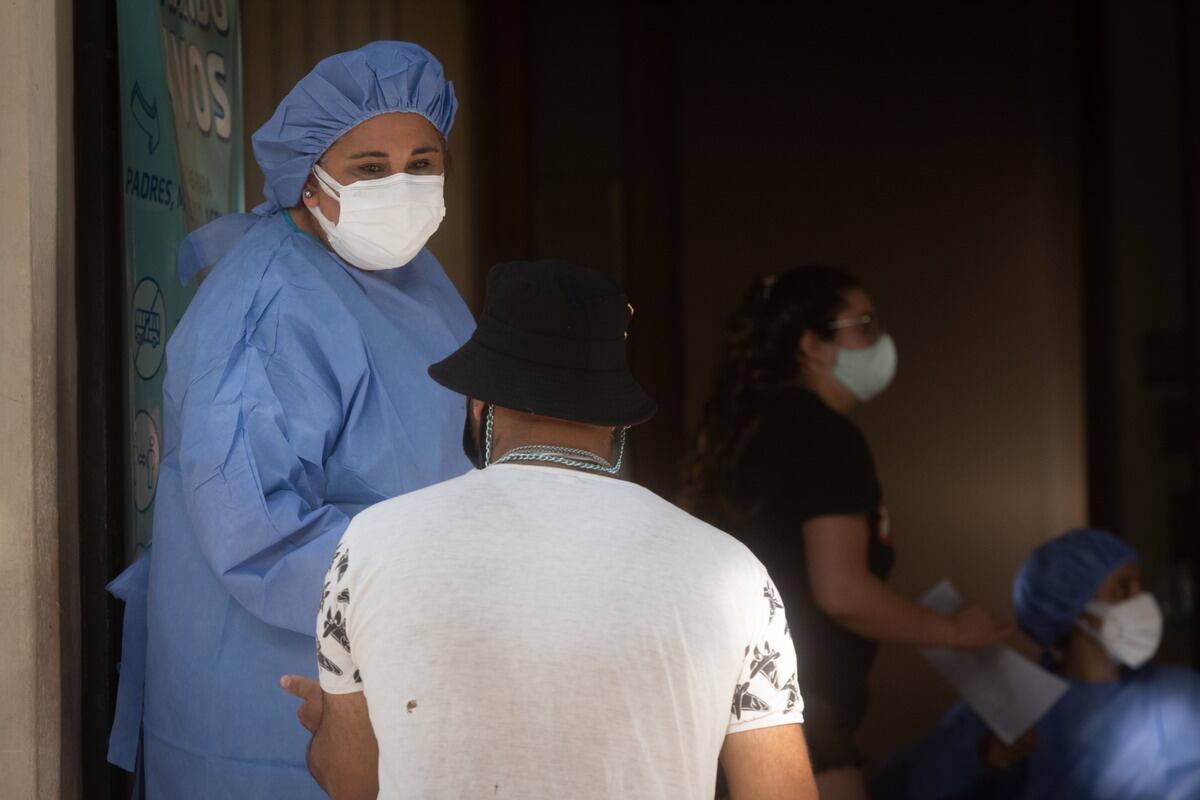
x,y
325,664
744,700
333,637
764,661
773,602
762,692
792,687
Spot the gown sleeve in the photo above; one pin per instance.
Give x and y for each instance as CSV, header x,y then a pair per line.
x,y
947,764
255,433
1178,698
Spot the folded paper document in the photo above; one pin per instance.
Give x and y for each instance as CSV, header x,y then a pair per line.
x,y
1008,691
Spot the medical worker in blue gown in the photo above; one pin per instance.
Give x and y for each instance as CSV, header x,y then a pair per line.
x,y
1124,730
296,395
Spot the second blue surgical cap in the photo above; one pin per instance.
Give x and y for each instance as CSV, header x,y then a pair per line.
x,y
342,91
1057,580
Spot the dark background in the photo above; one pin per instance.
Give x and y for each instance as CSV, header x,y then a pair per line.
x,y
1014,182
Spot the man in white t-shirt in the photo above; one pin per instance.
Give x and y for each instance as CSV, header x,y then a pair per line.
x,y
541,628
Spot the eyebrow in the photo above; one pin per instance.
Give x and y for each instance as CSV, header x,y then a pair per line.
x,y
381,154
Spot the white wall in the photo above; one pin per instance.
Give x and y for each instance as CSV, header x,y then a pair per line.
x,y
39,721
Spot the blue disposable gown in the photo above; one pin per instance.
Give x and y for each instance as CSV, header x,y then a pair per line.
x,y
1138,739
296,396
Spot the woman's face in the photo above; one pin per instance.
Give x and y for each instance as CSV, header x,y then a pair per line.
x,y
857,325
377,148
1123,583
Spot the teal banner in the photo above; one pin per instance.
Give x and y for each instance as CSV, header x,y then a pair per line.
x,y
181,140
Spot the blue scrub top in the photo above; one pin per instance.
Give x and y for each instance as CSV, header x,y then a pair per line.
x,y
1137,739
296,395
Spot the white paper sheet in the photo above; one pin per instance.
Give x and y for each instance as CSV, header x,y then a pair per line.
x,y
1008,691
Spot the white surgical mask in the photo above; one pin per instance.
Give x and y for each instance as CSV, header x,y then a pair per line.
x,y
868,371
1130,631
382,223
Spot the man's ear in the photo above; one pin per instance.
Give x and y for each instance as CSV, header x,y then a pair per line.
x,y
477,409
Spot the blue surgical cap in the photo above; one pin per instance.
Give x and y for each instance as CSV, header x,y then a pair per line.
x,y
341,92
1057,580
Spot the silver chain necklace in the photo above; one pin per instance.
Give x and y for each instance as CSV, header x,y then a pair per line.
x,y
553,454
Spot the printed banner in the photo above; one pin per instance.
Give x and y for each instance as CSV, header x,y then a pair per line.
x,y
181,140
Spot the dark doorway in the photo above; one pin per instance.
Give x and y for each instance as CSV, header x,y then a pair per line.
x,y
1139,232
578,147
99,309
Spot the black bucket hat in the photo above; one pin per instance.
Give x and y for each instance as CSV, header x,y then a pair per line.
x,y
551,341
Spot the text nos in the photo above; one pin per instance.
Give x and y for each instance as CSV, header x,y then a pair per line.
x,y
201,13
196,83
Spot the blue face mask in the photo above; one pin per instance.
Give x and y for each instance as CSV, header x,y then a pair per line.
x,y
868,371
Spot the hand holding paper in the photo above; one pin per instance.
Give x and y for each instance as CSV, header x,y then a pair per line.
x,y
1009,692
975,628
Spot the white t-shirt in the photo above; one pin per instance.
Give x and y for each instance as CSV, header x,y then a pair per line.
x,y
536,632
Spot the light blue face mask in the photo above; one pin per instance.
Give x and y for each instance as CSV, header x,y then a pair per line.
x,y
868,371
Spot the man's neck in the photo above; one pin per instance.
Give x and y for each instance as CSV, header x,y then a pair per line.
x,y
1085,660
514,429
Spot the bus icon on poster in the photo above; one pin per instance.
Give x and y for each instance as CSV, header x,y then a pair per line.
x,y
149,334
147,327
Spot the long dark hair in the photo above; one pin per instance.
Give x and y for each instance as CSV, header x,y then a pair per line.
x,y
758,358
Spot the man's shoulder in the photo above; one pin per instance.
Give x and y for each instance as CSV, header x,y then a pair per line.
x,y
454,499
699,539
413,506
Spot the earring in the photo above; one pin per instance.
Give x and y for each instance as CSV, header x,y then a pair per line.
x,y
308,192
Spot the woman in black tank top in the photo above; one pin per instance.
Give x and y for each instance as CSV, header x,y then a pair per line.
x,y
778,463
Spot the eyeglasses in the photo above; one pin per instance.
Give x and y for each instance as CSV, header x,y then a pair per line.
x,y
869,323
